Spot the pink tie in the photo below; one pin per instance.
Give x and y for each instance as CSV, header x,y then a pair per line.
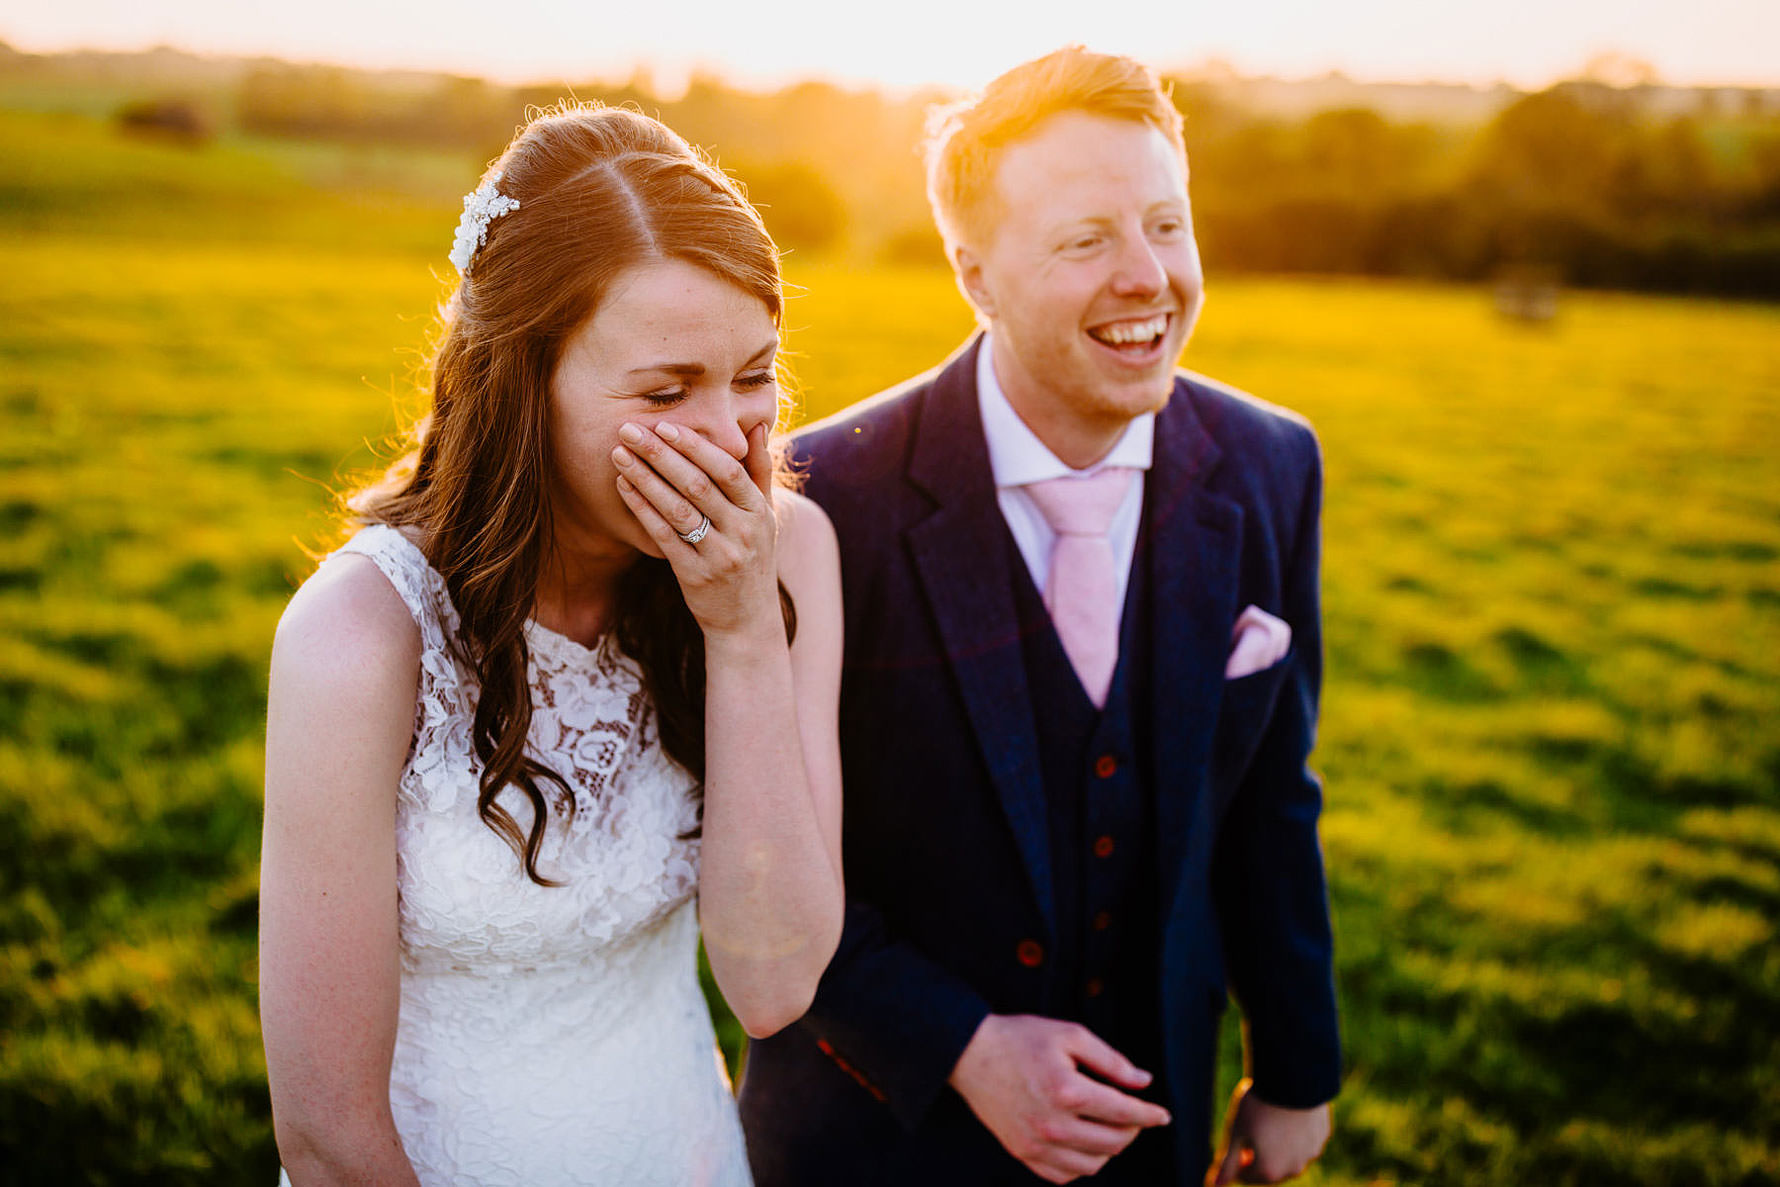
x,y
1082,590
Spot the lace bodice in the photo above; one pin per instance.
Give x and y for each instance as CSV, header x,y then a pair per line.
x,y
549,1034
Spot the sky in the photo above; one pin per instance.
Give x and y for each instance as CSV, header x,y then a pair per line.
x,y
953,43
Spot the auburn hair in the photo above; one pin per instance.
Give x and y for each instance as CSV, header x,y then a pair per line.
x,y
600,190
965,139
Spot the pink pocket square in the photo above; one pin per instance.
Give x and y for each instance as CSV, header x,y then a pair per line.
x,y
1258,641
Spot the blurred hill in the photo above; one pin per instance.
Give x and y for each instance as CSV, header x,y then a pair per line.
x,y
1460,103
1612,180
1288,98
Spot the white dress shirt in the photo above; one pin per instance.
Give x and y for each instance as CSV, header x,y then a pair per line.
x,y
1017,457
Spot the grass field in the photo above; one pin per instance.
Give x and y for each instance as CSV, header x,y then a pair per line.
x,y
1552,609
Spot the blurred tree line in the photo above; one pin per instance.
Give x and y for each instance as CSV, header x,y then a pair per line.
x,y
1591,182
1582,181
811,155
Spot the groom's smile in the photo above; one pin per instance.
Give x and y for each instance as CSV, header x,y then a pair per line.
x,y
1135,342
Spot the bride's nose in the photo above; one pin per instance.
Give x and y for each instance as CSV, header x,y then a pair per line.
x,y
726,425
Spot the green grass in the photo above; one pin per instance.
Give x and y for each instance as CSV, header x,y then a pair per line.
x,y
1552,609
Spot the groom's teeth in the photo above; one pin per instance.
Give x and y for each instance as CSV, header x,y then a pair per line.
x,y
1126,332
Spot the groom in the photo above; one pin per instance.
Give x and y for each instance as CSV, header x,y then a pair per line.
x,y
1082,665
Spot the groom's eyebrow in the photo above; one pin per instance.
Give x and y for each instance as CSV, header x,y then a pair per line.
x,y
694,370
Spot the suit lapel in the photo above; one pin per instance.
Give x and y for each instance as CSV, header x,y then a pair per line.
x,y
961,553
1194,541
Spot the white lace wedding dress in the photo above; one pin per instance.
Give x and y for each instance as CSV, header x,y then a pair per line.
x,y
549,1035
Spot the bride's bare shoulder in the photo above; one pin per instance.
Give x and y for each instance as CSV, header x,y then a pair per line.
x,y
809,556
347,626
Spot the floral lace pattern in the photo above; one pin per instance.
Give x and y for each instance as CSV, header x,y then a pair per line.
x,y
549,1035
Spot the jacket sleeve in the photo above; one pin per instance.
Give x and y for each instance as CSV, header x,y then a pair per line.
x,y
891,1018
887,1014
1267,876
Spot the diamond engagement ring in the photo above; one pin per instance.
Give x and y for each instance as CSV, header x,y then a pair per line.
x,y
697,533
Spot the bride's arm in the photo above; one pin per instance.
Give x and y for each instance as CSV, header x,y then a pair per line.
x,y
771,901
340,715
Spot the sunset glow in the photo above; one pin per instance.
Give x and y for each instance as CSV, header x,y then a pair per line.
x,y
924,42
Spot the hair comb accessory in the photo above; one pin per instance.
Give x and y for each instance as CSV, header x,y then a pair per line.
x,y
481,207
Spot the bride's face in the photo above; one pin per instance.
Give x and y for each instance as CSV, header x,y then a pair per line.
x,y
672,343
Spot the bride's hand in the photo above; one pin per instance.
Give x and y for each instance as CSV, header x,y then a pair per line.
x,y
672,478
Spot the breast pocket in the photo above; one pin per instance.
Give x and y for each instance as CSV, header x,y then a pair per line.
x,y
1244,713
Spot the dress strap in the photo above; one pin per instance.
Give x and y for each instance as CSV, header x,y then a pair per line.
x,y
405,566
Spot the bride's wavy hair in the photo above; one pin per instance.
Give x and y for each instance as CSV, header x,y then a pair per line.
x,y
600,190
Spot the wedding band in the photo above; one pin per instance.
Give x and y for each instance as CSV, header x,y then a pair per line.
x,y
697,533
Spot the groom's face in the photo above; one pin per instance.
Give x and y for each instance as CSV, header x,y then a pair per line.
x,y
1090,274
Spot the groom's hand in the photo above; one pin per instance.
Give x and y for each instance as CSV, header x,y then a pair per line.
x,y
1022,1076
1265,1143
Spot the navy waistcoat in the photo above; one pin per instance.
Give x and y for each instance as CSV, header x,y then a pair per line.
x,y
1104,969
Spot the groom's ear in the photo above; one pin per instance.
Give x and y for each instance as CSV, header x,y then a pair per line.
x,y
968,267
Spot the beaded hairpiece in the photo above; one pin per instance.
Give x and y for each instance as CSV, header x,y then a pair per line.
x,y
481,207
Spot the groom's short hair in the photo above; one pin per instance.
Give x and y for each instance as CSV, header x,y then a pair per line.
x,y
965,139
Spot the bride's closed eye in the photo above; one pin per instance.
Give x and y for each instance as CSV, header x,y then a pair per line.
x,y
667,397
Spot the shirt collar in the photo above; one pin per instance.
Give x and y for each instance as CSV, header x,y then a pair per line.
x,y
1018,458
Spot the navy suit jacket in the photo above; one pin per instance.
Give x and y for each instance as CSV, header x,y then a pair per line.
x,y
947,858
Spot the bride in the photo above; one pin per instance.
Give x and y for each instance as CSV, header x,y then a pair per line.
x,y
565,699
